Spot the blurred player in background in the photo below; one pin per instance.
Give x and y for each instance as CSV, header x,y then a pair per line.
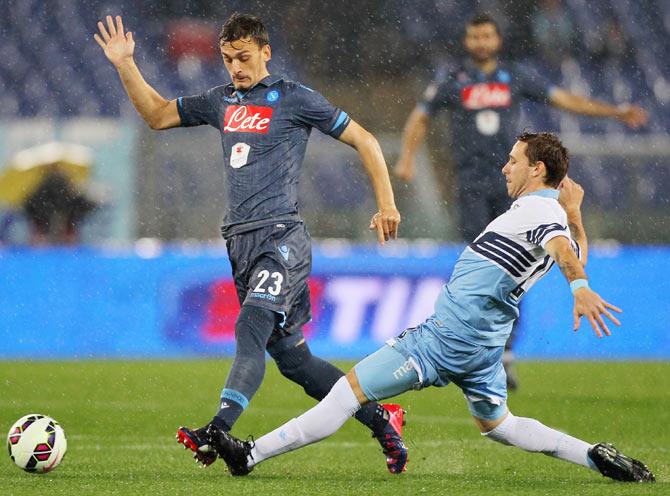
x,y
484,97
265,122
462,342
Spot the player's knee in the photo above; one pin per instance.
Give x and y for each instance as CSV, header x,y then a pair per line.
x,y
497,430
290,360
296,362
352,379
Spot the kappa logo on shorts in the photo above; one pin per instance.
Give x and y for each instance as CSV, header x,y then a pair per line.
x,y
284,251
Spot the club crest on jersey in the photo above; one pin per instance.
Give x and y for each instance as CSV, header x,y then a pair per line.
x,y
247,119
486,95
272,96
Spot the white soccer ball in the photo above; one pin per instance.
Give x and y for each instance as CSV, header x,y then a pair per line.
x,y
36,443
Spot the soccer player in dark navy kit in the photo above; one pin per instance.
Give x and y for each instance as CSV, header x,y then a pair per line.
x,y
265,122
483,98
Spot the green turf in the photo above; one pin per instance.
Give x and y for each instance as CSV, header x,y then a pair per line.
x,y
120,418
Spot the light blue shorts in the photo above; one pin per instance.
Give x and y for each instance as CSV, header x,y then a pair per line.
x,y
431,356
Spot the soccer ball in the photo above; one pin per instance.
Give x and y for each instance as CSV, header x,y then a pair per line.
x,y
36,443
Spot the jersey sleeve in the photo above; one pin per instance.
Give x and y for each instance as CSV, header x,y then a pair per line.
x,y
544,233
546,224
198,110
532,85
313,110
436,97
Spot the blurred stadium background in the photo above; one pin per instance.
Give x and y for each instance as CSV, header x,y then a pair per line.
x,y
150,278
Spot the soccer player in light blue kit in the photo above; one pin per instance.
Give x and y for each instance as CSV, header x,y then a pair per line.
x,y
463,341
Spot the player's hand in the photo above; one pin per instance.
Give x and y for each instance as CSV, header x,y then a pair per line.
x,y
385,222
633,115
118,46
570,196
589,304
404,170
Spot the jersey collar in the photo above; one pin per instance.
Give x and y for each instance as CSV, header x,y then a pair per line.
x,y
267,81
476,74
545,193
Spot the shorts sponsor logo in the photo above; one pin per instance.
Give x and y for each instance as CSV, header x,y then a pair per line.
x,y
247,119
402,370
263,296
486,95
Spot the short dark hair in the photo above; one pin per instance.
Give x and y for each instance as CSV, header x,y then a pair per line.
x,y
483,18
546,147
240,26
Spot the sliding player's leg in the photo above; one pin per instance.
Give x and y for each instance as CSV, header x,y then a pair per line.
x,y
383,374
484,391
317,377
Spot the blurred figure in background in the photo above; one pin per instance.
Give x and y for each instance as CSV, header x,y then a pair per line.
x,y
47,184
484,98
56,211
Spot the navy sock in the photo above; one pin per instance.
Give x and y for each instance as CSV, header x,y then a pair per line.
x,y
296,362
252,330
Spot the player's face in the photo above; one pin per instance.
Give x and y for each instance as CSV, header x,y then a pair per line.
x,y
520,175
482,42
245,62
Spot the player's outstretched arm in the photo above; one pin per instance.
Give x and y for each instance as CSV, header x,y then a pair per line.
x,y
119,48
632,115
387,219
570,198
588,303
413,135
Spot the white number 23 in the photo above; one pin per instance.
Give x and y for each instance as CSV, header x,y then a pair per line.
x,y
264,275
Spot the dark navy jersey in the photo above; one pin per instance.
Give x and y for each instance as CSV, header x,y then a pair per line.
x,y
264,133
484,109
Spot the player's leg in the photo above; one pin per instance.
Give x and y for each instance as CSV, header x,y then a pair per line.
x,y
252,331
383,374
296,362
253,328
485,390
533,436
317,377
258,281
496,422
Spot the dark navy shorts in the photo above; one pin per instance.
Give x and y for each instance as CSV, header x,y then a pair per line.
x,y
271,266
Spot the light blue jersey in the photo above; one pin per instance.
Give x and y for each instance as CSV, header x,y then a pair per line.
x,y
462,342
480,302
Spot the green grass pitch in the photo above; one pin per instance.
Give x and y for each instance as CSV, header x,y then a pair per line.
x,y
121,416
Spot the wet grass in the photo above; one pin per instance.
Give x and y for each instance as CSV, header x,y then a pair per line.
x,y
120,418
